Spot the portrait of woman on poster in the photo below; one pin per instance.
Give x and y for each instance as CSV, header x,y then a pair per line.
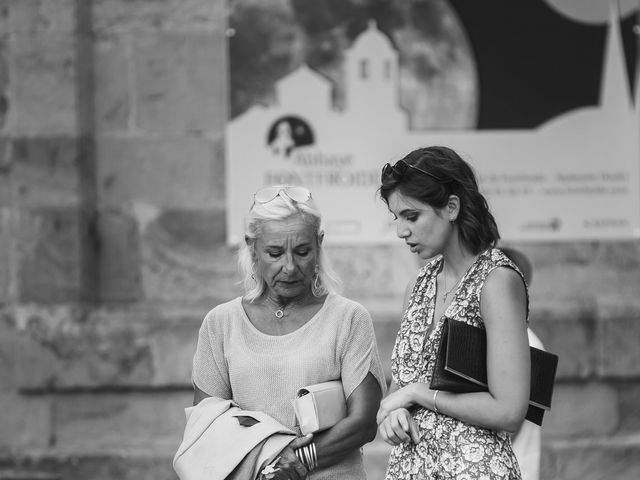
x,y
291,329
442,217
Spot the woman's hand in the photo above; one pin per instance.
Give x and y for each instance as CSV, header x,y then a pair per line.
x,y
398,427
400,398
289,467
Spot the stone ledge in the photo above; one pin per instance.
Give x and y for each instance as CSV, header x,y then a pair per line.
x,y
11,474
590,459
52,465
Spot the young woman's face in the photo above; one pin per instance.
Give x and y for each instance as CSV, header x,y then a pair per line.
x,y
286,255
424,229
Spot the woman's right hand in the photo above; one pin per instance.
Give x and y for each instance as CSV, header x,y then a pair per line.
x,y
398,427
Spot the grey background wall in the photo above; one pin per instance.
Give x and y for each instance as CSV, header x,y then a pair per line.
x,y
112,249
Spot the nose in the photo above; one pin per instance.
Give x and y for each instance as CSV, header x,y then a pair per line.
x,y
402,230
288,265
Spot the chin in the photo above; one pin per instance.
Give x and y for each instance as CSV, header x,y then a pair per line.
x,y
425,254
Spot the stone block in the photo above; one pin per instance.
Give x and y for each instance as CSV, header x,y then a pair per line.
x,y
42,91
163,172
47,338
591,460
113,17
8,353
185,258
180,85
618,340
4,78
44,171
583,271
173,348
153,421
52,249
6,159
25,421
119,257
582,410
568,330
112,85
628,394
374,272
66,348
74,348
31,16
54,465
6,264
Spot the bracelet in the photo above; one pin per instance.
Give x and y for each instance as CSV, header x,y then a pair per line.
x,y
308,456
435,404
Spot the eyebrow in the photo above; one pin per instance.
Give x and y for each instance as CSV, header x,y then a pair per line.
x,y
306,244
407,211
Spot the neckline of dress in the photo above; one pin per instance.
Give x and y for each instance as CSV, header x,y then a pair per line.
x,y
439,266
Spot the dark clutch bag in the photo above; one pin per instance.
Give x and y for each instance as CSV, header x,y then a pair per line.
x,y
461,367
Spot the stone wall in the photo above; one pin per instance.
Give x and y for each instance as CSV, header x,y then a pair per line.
x,y
112,249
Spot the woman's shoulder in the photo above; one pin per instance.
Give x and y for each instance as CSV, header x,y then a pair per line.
x,y
224,313
338,302
495,260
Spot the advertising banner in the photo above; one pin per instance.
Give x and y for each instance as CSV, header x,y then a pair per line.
x,y
324,93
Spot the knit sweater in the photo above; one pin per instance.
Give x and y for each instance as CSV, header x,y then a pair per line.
x,y
234,360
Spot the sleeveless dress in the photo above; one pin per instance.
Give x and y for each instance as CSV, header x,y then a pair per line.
x,y
448,448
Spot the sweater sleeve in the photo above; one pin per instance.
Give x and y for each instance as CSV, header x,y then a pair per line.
x,y
210,372
359,352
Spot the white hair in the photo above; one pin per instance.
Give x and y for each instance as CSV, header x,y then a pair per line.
x,y
281,208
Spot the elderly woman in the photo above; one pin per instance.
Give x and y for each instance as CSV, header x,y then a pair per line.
x,y
289,330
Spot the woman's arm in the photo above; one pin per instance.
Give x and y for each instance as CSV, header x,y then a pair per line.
x,y
198,395
504,406
356,429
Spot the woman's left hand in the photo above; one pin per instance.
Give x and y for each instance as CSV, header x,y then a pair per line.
x,y
288,466
400,398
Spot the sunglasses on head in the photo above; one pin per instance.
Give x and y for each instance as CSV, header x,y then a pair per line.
x,y
267,194
398,170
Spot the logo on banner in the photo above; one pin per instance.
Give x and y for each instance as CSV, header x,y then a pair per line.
x,y
288,133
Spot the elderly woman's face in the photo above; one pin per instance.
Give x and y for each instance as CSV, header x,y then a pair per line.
x,y
286,256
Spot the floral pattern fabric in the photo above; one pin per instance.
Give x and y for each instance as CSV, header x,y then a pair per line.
x,y
448,448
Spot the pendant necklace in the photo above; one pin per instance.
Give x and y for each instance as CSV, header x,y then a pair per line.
x,y
279,311
446,292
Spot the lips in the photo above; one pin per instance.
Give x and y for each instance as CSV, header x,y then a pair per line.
x,y
289,282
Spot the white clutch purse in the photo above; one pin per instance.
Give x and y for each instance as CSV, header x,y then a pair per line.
x,y
320,406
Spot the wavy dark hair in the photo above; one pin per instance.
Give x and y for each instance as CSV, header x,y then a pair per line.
x,y
439,172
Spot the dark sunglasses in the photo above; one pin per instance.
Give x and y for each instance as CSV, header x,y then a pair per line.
x,y
267,194
398,170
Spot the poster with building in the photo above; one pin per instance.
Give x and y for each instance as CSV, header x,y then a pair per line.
x,y
324,93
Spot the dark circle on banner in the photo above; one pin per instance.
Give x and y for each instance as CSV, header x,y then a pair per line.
x,y
289,132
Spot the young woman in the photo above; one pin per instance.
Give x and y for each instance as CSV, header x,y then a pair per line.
x,y
441,215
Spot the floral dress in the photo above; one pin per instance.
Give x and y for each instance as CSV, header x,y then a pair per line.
x,y
448,448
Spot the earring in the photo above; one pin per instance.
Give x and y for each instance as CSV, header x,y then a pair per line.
x,y
253,273
316,285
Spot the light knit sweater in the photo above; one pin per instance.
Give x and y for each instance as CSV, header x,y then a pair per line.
x,y
234,360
